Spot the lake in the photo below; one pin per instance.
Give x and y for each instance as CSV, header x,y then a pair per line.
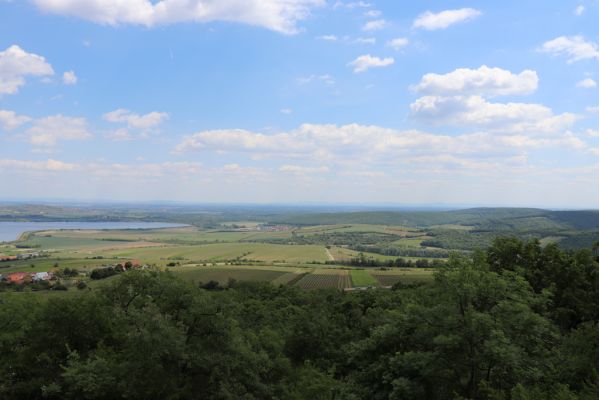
x,y
12,230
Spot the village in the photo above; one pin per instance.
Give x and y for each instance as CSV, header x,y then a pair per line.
x,y
20,256
57,275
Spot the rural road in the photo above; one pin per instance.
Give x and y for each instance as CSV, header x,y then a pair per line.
x,y
329,255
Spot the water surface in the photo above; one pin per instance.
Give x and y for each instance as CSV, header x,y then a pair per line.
x,y
12,230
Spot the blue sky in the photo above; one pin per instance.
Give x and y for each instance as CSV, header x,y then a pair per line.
x,y
454,102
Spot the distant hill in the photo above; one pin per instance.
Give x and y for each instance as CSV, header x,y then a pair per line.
x,y
470,217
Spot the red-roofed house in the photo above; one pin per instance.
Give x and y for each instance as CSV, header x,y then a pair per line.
x,y
18,277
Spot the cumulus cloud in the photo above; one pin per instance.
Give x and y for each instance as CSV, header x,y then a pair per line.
x,y
136,121
9,120
354,143
592,109
459,98
398,43
482,81
236,140
592,133
330,38
369,40
374,25
16,64
444,19
119,135
69,78
324,78
276,15
587,83
363,63
578,11
373,13
27,165
301,170
476,112
48,131
576,48
351,5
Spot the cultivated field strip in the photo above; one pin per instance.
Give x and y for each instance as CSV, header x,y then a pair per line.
x,y
325,279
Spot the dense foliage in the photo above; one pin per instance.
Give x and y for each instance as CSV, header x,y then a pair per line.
x,y
519,321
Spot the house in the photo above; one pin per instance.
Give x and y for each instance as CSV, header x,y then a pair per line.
x,y
18,277
7,258
27,256
41,276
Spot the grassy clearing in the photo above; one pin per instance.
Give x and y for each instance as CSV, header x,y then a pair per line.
x,y
361,278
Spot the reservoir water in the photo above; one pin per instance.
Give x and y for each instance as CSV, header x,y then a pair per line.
x,y
12,230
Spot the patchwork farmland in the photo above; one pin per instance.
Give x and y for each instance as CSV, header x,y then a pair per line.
x,y
309,258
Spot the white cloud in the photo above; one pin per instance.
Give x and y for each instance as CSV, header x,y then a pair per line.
x,y
69,78
372,13
363,63
235,140
476,112
481,81
16,64
325,78
48,165
9,120
587,83
579,10
276,15
286,111
330,38
592,133
301,170
576,48
592,109
433,21
374,25
120,135
362,40
351,5
46,132
398,43
133,120
358,144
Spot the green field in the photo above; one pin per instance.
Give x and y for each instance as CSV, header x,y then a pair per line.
x,y
361,278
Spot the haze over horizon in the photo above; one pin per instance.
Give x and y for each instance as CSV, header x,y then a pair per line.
x,y
302,101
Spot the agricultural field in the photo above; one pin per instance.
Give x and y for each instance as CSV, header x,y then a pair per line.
x,y
220,255
363,278
325,279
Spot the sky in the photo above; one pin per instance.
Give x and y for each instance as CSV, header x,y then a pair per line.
x,y
301,101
